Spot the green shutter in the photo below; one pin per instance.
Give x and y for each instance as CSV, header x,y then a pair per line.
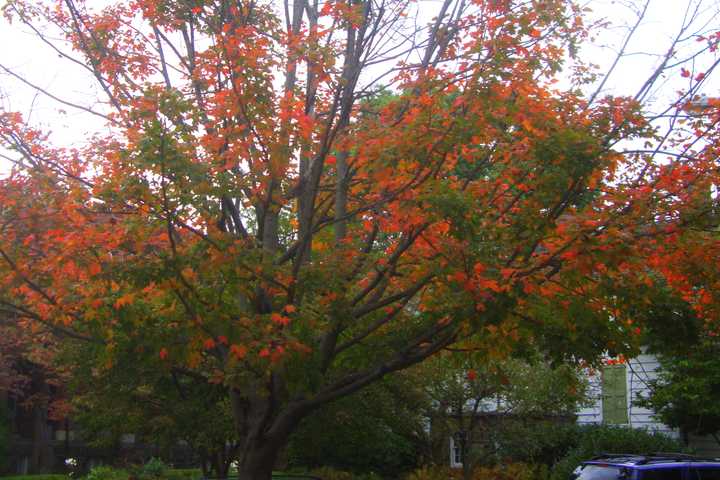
x,y
614,395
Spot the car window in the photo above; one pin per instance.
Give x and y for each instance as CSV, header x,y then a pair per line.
x,y
599,472
662,474
705,473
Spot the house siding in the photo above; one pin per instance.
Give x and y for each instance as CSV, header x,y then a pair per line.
x,y
640,370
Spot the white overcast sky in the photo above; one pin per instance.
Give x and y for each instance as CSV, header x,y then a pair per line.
x,y
25,54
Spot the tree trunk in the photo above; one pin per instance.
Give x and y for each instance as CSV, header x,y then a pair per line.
x,y
204,463
257,463
41,458
263,431
467,466
220,463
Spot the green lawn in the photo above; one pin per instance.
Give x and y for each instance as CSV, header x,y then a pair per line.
x,y
186,474
36,477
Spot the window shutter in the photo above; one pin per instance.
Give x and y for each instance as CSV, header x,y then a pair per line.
x,y
614,395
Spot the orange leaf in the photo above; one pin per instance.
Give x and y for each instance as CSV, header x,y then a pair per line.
x,y
279,319
94,268
126,299
238,351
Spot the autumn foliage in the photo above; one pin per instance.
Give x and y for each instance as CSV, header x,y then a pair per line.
x,y
294,203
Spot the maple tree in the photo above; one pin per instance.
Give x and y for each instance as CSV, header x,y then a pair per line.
x,y
295,200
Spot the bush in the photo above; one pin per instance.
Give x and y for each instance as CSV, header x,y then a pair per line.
x,y
433,473
508,471
512,471
183,474
596,439
153,468
329,473
106,473
538,442
372,431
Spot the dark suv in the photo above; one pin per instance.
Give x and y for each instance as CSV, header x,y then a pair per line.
x,y
660,466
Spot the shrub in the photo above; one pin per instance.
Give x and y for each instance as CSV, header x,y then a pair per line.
x,y
372,431
596,439
433,472
106,473
538,442
329,473
153,468
183,474
511,471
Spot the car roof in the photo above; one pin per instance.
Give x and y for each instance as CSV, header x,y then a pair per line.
x,y
652,460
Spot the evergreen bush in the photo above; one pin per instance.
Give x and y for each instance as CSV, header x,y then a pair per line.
x,y
594,440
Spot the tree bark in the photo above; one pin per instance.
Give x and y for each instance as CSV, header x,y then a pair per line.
x,y
263,432
41,459
257,461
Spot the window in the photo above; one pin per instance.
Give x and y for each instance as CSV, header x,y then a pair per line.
x,y
663,474
23,465
456,459
599,472
705,473
614,395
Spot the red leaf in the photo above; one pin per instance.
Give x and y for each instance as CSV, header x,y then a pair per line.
x,y
238,351
279,319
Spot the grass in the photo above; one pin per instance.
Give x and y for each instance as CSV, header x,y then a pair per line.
x,y
178,474
175,474
37,477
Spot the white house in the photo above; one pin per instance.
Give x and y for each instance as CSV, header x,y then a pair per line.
x,y
613,390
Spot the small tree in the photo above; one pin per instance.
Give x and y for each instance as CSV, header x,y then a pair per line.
x,y
380,429
157,407
483,405
686,392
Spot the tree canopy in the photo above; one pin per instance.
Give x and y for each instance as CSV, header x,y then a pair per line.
x,y
295,200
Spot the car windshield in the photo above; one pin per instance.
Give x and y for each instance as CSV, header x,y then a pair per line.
x,y
600,472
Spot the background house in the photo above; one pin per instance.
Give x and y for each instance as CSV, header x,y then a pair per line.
x,y
40,444
613,390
